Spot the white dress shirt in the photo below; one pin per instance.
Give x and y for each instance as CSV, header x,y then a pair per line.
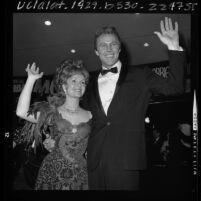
x,y
106,85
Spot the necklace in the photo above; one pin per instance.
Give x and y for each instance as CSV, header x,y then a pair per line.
x,y
72,111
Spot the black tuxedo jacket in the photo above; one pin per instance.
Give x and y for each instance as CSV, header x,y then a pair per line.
x,y
118,138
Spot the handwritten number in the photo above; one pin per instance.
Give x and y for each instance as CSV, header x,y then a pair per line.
x,y
134,5
163,7
108,6
127,5
172,6
73,5
94,4
153,7
119,5
194,4
180,5
188,7
81,4
88,5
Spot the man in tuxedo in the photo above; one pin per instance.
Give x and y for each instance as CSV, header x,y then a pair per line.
x,y
118,98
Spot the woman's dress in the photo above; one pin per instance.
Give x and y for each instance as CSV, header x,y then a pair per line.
x,y
65,168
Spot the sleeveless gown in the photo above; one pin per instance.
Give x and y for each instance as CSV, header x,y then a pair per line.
x,y
65,168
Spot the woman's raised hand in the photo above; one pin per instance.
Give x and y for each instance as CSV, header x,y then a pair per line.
x,y
33,71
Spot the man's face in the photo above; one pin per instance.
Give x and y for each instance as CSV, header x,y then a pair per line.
x,y
108,49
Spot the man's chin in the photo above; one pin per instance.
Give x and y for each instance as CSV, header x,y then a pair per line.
x,y
109,64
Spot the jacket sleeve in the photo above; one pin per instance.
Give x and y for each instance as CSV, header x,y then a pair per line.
x,y
173,84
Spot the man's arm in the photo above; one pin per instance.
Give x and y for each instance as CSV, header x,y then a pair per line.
x,y
169,35
172,85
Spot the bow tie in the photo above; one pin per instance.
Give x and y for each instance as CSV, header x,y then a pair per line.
x,y
112,70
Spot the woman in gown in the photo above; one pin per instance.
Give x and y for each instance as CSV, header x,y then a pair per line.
x,y
63,121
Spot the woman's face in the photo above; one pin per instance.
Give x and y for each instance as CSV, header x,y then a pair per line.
x,y
75,86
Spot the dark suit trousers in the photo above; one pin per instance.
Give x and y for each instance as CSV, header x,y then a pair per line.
x,y
103,178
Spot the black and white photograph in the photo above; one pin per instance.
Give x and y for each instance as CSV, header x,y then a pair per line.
x,y
103,103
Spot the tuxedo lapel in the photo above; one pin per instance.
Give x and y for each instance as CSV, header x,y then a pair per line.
x,y
96,93
121,79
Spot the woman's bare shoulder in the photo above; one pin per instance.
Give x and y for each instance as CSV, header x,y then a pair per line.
x,y
87,113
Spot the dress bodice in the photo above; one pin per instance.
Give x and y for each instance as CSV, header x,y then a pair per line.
x,y
71,139
65,127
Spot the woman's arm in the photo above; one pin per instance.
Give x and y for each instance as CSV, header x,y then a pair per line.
x,y
25,96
